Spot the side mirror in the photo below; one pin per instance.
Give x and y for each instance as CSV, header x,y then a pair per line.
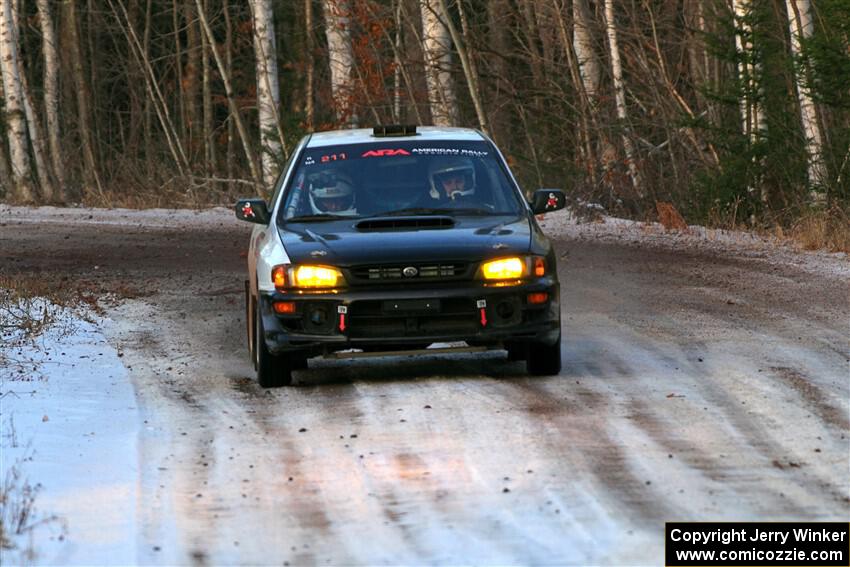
x,y
548,200
252,210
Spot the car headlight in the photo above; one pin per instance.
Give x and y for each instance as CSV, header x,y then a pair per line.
x,y
307,277
512,268
503,269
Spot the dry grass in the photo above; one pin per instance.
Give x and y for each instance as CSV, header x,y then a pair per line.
x,y
827,229
19,517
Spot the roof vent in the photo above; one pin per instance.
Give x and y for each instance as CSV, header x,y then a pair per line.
x,y
387,130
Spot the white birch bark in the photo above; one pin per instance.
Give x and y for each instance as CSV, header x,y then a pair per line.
x,y
588,62
268,89
620,97
51,93
800,26
340,58
16,128
38,150
436,48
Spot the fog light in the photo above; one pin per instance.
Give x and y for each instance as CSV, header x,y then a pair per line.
x,y
538,298
505,310
284,307
318,316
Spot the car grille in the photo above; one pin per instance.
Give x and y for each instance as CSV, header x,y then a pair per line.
x,y
396,273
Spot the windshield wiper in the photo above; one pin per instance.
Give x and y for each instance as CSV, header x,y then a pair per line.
x,y
317,218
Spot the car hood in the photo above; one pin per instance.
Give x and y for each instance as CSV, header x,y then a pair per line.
x,y
470,238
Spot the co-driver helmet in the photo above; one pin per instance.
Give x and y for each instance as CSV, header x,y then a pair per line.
x,y
332,193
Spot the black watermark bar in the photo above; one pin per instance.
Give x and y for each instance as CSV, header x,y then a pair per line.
x,y
742,544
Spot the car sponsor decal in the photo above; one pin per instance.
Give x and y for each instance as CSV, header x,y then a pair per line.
x,y
385,153
449,152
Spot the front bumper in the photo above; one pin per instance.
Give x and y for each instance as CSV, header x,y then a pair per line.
x,y
399,317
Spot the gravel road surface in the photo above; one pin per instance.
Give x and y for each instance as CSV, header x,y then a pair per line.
x,y
698,384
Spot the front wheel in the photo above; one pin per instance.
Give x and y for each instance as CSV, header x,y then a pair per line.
x,y
272,371
543,359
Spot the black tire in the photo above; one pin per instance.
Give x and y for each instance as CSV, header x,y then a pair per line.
x,y
516,351
543,359
272,371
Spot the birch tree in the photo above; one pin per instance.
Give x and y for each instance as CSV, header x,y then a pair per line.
x,y
51,94
268,90
800,26
588,61
620,98
436,47
341,59
14,102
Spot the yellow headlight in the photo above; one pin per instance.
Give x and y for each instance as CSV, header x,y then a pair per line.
x,y
316,276
503,269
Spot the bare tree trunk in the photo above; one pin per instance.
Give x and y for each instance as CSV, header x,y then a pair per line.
x,y
397,62
466,62
148,124
230,156
231,100
16,128
341,59
309,108
90,171
38,151
588,61
268,90
210,157
586,111
51,94
5,169
620,98
800,26
436,47
178,69
172,135
191,84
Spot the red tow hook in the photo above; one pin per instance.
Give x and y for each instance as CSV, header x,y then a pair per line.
x,y
342,310
482,307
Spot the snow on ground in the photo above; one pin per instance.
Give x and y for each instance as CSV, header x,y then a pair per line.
x,y
69,434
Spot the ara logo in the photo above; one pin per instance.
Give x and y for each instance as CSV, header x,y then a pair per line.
x,y
386,152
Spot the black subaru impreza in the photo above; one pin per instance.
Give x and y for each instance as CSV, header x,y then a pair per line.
x,y
397,240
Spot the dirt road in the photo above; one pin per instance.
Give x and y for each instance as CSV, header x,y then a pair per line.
x,y
697,385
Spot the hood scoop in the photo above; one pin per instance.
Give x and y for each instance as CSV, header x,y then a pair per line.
x,y
405,223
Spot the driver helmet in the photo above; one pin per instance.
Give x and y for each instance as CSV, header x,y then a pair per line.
x,y
332,193
453,177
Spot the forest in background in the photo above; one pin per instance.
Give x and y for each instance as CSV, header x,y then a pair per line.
x,y
737,112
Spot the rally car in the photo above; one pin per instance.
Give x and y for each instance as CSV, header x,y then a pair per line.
x,y
399,239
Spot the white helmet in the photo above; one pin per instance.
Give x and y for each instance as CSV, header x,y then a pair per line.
x,y
331,193
453,177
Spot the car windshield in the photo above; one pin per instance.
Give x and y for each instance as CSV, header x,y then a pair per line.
x,y
399,178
